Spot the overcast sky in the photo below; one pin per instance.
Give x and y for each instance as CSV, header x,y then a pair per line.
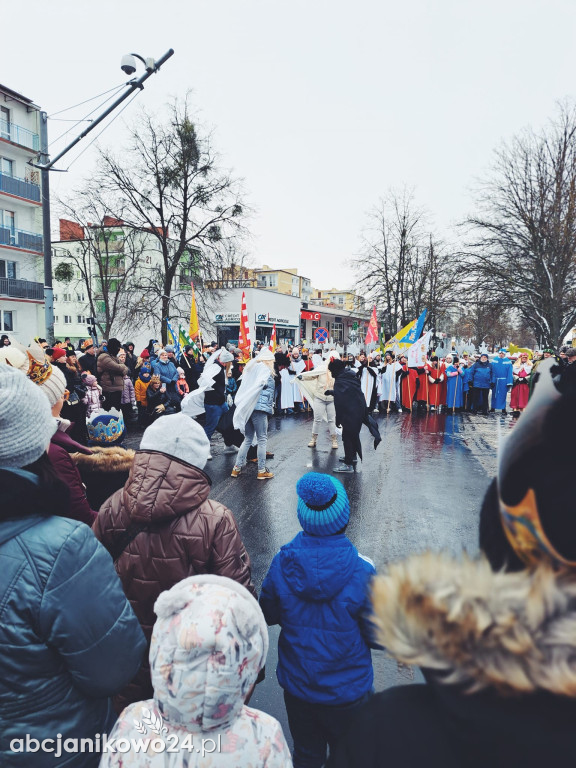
x,y
321,106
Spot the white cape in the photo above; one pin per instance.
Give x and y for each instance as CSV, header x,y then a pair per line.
x,y
287,390
253,381
193,403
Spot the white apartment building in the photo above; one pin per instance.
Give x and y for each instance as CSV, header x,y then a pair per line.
x,y
125,247
21,249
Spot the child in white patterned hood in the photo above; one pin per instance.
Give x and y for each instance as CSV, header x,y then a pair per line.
x,y
209,643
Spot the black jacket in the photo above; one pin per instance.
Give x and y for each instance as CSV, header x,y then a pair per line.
x,y
217,395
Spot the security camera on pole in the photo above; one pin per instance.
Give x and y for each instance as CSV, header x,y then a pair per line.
x,y
128,65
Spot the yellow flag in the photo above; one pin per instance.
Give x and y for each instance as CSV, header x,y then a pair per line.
x,y
194,331
397,340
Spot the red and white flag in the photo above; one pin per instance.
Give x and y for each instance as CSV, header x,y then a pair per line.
x,y
273,339
245,342
372,332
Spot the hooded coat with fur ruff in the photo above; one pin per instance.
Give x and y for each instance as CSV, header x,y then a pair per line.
x,y
498,651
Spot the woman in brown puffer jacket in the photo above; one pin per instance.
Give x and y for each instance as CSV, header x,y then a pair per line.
x,y
162,527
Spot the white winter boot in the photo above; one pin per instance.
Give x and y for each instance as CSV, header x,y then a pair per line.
x,y
312,443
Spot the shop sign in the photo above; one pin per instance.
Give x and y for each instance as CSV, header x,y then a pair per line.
x,y
227,317
306,315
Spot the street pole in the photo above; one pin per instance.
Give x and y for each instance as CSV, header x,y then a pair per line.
x,y
46,235
45,164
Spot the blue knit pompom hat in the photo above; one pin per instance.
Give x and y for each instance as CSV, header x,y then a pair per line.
x,y
323,506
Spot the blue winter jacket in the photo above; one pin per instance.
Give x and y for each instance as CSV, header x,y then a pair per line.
x,y
481,376
68,638
167,371
266,399
317,590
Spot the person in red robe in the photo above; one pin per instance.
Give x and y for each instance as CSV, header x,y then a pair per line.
x,y
521,383
408,385
437,383
423,389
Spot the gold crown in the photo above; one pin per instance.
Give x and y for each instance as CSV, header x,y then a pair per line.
x,y
38,372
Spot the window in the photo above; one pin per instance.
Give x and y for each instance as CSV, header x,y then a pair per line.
x,y
5,123
79,297
8,269
67,320
55,297
8,222
56,318
273,280
67,297
338,329
340,299
6,166
7,320
79,319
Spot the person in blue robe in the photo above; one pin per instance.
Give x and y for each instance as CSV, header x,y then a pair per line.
x,y
502,380
454,385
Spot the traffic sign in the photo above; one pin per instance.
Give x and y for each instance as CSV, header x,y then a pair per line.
x,y
321,335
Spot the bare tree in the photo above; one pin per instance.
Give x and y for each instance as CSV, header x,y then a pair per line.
x,y
402,268
523,240
168,183
99,258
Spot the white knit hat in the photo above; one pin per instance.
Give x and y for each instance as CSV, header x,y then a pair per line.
x,y
180,436
54,386
26,423
50,379
224,356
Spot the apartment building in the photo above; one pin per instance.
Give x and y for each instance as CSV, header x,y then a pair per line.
x,y
285,281
348,300
21,248
102,259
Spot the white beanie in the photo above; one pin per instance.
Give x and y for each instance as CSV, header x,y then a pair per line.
x,y
26,423
180,436
54,386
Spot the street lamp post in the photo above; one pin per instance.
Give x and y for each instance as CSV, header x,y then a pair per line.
x,y
128,65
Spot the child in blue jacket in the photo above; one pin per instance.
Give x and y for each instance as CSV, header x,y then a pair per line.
x,y
317,590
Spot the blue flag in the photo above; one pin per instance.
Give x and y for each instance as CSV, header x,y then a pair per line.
x,y
415,332
175,341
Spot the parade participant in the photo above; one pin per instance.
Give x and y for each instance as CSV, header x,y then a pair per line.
x,y
351,413
4,340
408,380
466,383
454,385
68,346
306,358
437,383
317,591
521,384
215,398
502,380
158,401
297,365
184,675
315,383
111,375
494,636
162,526
389,385
368,381
254,403
481,379
62,643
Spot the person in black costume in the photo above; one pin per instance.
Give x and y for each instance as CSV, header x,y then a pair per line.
x,y
351,413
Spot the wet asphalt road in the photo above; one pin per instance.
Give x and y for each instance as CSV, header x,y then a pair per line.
x,y
421,489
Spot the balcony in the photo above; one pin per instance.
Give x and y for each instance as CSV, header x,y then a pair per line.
x,y
19,135
18,238
21,289
19,187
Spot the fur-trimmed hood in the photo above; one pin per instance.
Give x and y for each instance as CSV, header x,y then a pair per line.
x,y
113,459
512,632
